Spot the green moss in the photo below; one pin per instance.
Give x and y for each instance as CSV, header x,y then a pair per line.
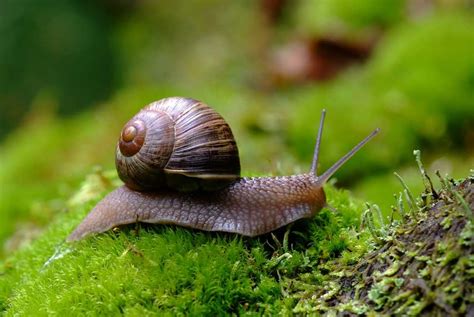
x,y
153,269
326,264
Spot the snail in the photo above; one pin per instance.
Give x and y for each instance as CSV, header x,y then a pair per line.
x,y
180,165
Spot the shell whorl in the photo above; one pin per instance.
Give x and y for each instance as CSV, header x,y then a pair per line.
x,y
179,143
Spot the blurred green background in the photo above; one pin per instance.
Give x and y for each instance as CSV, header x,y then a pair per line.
x,y
73,72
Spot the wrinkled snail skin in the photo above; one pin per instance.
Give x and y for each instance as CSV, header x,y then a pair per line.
x,y
249,206
180,165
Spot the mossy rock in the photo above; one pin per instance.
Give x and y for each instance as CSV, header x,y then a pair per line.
x,y
425,266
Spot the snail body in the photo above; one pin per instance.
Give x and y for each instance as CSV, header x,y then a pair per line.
x,y
228,209
212,201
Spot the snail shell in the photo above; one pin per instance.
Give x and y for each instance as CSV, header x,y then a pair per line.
x,y
177,143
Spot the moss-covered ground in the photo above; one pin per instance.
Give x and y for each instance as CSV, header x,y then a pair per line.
x,y
153,269
336,262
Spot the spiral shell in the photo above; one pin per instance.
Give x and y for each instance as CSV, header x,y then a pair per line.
x,y
177,143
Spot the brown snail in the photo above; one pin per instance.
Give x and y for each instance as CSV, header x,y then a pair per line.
x,y
180,165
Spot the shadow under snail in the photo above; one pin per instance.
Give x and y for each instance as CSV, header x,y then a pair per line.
x,y
180,165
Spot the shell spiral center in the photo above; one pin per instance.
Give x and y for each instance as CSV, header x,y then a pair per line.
x,y
132,138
